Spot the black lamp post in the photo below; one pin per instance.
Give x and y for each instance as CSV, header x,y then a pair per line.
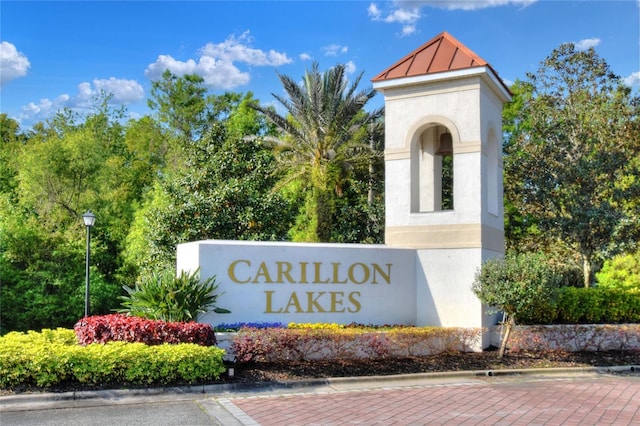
x,y
89,220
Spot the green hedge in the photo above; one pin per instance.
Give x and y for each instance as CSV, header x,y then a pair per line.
x,y
598,305
593,305
53,357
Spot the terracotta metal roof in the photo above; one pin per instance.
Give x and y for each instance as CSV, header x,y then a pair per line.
x,y
440,54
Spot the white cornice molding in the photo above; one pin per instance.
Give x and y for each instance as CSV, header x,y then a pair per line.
x,y
484,72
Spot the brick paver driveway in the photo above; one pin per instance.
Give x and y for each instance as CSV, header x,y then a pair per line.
x,y
588,399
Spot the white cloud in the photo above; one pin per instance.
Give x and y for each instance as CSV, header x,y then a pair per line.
x,y
587,43
233,49
375,13
83,98
403,12
350,67
408,30
305,57
122,91
222,74
43,109
633,79
217,63
335,49
472,4
13,64
403,16
407,12
165,62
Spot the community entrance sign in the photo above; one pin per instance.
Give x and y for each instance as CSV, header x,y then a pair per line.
x,y
289,282
443,218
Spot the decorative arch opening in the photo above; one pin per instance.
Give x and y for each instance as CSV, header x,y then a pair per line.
x,y
432,171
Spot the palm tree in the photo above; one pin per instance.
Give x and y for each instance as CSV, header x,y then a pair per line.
x,y
322,141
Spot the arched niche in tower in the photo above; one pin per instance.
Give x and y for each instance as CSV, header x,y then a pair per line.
x,y
432,167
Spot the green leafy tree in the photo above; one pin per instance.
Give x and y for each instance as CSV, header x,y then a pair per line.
x,y
62,168
571,158
181,103
40,287
521,228
359,214
519,285
320,147
83,166
11,141
149,152
57,175
224,192
623,271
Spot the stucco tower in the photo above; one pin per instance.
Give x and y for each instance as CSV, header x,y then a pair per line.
x,y
443,164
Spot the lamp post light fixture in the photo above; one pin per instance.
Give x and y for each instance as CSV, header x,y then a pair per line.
x,y
89,220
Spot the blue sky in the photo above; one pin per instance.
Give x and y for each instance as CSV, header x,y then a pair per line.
x,y
60,54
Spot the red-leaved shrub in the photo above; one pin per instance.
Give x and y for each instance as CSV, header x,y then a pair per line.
x,y
118,327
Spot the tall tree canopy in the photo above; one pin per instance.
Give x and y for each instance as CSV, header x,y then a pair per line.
x,y
11,141
572,150
223,192
62,168
181,103
322,142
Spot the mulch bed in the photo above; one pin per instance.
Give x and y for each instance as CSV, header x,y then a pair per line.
x,y
488,360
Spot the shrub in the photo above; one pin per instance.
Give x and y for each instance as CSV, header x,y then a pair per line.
x,y
520,285
598,305
163,296
118,327
621,272
53,357
569,305
35,359
569,274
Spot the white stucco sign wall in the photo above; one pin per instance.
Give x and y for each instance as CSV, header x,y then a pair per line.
x,y
289,282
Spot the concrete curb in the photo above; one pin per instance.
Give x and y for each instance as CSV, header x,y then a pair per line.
x,y
13,402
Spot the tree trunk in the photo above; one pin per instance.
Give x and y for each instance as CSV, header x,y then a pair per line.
x,y
511,322
322,193
586,269
324,215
